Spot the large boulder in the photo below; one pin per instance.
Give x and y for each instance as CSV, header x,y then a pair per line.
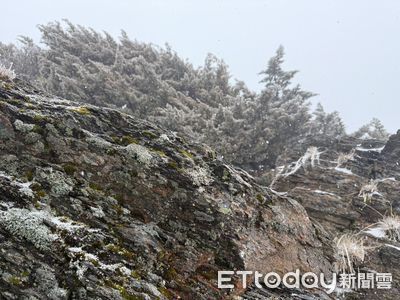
x,y
96,204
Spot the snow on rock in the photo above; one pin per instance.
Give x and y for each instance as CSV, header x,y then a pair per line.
x,y
376,232
370,149
344,170
324,193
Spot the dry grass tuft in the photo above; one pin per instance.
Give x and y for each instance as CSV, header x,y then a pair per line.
x,y
391,226
344,157
368,190
350,251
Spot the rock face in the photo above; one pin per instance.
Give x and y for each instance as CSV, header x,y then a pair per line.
x,y
349,185
95,204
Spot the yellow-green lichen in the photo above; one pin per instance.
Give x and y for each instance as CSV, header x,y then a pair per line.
x,y
69,169
150,134
186,154
81,110
15,280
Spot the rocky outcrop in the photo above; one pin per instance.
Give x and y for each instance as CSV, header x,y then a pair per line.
x,y
95,204
349,186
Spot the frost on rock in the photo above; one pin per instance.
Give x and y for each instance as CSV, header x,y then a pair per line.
x,y
81,260
325,193
344,170
29,225
140,153
312,156
379,150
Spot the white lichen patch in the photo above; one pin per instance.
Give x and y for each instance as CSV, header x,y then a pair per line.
x,y
23,127
200,176
164,138
97,212
60,184
99,142
29,225
140,153
24,188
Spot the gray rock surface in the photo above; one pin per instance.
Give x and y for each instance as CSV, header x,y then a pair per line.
x,y
95,204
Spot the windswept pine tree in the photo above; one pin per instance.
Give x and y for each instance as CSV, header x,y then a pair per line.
x,y
374,130
327,124
154,83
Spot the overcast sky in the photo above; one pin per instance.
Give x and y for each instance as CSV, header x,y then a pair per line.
x,y
347,51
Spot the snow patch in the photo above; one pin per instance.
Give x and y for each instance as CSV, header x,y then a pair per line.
x,y
344,170
376,232
370,149
391,246
324,193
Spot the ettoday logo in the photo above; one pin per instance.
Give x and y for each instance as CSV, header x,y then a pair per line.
x,y
308,280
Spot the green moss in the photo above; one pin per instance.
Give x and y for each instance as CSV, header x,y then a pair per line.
x,y
159,152
38,129
69,169
95,262
95,186
166,293
29,175
15,280
6,85
25,273
122,291
116,249
173,165
127,140
111,151
81,110
124,140
119,197
41,193
226,175
38,118
186,153
150,134
171,274
30,106
260,198
135,274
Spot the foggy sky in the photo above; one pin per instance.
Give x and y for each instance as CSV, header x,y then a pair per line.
x,y
347,51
